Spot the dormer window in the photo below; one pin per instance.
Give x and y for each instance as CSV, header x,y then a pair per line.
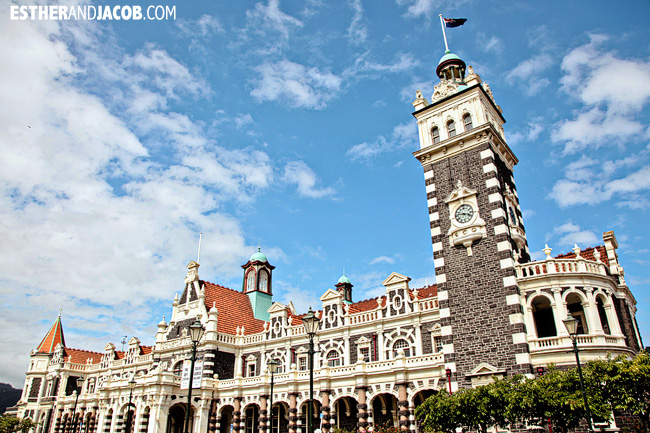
x,y
451,128
435,135
467,120
250,281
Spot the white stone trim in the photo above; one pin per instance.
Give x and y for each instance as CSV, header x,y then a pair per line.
x,y
523,358
442,278
498,213
448,348
519,338
432,202
493,181
444,312
438,263
434,216
495,197
510,281
443,295
487,153
428,174
512,299
504,246
430,188
516,318
500,229
446,330
507,263
437,246
489,167
436,231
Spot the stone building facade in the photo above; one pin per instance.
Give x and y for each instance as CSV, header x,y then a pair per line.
x,y
493,312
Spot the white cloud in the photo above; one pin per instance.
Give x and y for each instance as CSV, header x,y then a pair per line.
x,y
612,91
206,25
299,173
92,209
426,8
382,259
569,234
358,29
296,85
403,136
529,74
494,44
269,17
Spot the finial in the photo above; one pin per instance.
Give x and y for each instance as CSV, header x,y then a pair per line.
x,y
259,246
547,250
198,256
576,250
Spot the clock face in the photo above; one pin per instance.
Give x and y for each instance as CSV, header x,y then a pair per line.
x,y
464,213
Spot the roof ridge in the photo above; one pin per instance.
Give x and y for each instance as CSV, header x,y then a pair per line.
x,y
83,350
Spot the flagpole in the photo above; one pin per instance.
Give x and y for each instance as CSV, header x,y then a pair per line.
x,y
444,35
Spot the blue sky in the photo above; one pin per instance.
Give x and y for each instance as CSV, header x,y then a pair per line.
x,y
289,123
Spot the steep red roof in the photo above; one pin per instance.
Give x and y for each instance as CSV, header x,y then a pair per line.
x,y
79,356
146,350
588,254
235,309
53,337
427,292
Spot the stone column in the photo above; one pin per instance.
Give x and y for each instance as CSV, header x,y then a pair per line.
x,y
236,415
403,405
293,413
325,410
57,423
212,423
263,420
362,407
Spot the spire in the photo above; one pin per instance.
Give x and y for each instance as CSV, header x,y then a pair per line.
x,y
53,338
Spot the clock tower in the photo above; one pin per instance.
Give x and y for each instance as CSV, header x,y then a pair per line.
x,y
477,229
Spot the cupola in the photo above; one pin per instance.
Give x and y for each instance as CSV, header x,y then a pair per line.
x,y
451,67
344,286
257,283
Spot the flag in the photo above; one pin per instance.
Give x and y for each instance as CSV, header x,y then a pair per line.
x,y
454,22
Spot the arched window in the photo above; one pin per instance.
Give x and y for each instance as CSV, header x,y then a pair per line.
x,y
574,305
333,358
264,281
543,317
603,315
451,128
178,368
467,120
250,280
401,344
435,135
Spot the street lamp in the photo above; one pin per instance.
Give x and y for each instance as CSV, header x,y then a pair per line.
x,y
196,332
273,368
80,384
448,373
311,323
128,408
571,325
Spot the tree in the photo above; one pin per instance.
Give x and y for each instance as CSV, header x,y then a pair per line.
x,y
11,424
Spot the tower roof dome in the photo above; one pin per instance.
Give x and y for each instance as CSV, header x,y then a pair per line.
x,y
344,280
450,60
258,256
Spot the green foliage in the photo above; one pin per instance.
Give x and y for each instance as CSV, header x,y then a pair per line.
x,y
11,424
610,384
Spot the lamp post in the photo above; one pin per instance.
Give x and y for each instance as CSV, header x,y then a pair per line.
x,y
196,332
273,367
311,323
128,408
80,384
571,325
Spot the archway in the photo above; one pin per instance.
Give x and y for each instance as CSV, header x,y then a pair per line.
x,y
225,419
252,418
346,413
543,316
176,419
421,396
384,411
279,418
602,314
316,415
574,305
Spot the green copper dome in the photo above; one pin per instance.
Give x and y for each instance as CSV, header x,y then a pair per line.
x,y
449,56
258,257
344,280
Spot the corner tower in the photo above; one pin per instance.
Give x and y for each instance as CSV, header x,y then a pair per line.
x,y
257,284
476,223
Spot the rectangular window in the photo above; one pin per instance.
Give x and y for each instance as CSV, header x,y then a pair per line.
x,y
302,363
437,344
251,370
364,353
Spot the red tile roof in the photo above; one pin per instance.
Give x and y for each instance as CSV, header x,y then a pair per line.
x,y
79,356
235,309
427,292
588,254
53,337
